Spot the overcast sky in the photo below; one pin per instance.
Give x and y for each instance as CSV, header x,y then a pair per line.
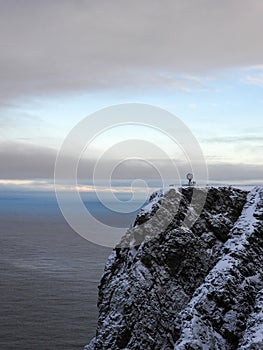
x,y
61,60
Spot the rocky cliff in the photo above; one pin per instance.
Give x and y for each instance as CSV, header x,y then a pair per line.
x,y
189,278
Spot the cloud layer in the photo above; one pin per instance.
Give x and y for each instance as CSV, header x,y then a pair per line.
x,y
68,45
20,161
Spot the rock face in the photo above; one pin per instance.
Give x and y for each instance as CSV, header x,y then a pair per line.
x,y
186,284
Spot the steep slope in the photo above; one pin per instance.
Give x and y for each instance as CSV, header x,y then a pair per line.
x,y
179,286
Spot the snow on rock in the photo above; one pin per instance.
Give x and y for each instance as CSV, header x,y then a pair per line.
x,y
180,287
216,316
253,336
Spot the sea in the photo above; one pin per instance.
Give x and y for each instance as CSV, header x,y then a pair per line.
x,y
49,275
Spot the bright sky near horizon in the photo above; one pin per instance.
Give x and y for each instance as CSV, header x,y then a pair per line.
x,y
200,60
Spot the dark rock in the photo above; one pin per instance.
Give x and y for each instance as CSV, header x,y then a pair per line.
x,y
186,286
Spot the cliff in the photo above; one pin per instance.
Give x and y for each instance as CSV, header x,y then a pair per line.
x,y
186,281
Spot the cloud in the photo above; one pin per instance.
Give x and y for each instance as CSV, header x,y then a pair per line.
x,y
193,105
255,79
234,139
20,160
13,121
236,173
22,164
59,46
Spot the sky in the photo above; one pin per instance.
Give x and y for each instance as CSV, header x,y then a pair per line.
x,y
60,61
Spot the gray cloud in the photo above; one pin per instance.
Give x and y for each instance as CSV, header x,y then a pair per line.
x,y
56,45
21,160
25,161
235,173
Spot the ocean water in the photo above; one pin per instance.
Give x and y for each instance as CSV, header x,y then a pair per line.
x,y
48,274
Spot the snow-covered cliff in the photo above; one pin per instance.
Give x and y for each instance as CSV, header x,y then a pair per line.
x,y
181,286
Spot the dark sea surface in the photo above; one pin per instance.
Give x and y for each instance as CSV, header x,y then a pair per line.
x,y
48,274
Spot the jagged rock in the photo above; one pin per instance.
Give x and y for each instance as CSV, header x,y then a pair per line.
x,y
181,279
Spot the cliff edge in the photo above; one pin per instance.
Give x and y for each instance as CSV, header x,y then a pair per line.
x,y
179,284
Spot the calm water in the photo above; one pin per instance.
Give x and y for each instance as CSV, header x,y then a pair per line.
x,y
48,275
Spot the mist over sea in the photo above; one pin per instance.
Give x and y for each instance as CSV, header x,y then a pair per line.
x,y
48,273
